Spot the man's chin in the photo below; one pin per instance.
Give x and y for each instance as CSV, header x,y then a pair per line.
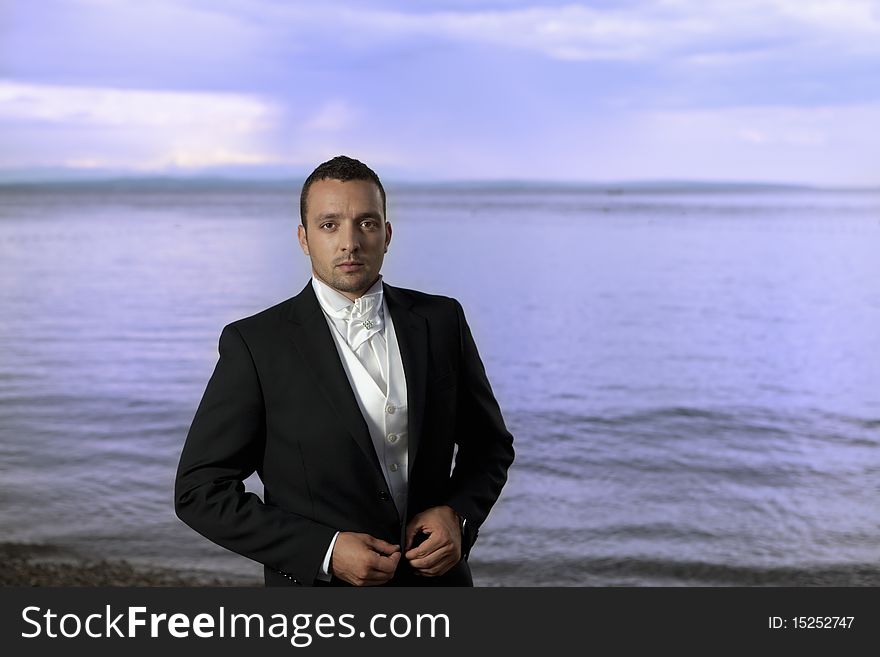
x,y
351,283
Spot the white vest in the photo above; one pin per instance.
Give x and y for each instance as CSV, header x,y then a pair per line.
x,y
385,414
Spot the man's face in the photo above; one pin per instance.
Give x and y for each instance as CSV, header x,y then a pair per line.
x,y
345,225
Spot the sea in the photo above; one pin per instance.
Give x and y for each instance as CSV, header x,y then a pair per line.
x,y
691,372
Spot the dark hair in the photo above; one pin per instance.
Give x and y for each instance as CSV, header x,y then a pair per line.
x,y
341,168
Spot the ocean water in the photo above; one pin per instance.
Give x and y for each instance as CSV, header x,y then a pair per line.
x,y
691,375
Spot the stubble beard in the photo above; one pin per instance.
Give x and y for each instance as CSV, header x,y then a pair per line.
x,y
350,283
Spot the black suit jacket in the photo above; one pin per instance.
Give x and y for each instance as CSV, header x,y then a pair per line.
x,y
279,403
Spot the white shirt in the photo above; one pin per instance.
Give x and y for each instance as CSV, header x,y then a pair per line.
x,y
369,345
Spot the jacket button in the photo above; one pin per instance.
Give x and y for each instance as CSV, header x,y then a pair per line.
x,y
384,496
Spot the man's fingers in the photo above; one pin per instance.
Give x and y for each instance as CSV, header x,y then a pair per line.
x,y
432,558
435,569
379,569
380,546
428,562
433,543
386,565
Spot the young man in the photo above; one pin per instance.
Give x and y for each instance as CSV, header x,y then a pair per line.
x,y
348,400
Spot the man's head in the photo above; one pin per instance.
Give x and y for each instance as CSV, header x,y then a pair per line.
x,y
342,208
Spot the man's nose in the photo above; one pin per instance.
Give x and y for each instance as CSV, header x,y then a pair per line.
x,y
350,240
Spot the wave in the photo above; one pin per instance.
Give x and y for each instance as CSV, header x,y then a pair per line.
x,y
635,571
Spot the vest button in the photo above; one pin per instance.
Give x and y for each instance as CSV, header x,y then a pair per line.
x,y
390,409
384,496
392,438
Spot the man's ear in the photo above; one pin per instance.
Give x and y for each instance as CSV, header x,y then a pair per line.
x,y
387,235
303,238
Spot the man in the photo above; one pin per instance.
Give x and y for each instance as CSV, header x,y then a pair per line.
x,y
348,400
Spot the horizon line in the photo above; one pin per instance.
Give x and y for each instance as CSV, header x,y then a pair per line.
x,y
658,184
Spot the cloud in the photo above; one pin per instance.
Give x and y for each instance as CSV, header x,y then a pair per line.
x,y
134,108
137,128
634,31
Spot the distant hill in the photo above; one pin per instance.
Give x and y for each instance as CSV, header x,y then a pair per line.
x,y
286,178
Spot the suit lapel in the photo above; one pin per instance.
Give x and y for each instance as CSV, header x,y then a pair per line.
x,y
412,338
311,335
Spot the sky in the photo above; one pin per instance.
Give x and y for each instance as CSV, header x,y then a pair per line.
x,y
776,91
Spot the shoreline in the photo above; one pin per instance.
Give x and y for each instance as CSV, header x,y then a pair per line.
x,y
41,565
48,565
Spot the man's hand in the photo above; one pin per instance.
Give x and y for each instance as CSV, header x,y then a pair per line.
x,y
363,560
442,549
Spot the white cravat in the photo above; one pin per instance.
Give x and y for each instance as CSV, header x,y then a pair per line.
x,y
357,322
366,318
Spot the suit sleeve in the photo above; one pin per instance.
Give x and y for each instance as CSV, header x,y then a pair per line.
x,y
223,448
485,446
